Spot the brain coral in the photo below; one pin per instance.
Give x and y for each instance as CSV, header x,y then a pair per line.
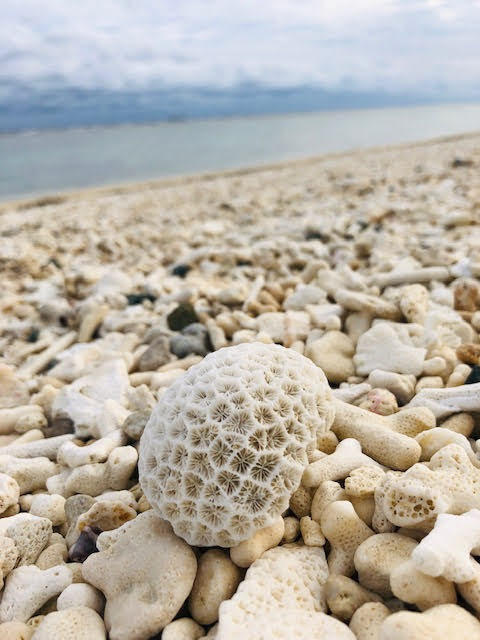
x,y
226,446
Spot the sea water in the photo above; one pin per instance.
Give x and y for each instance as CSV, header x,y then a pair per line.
x,y
45,162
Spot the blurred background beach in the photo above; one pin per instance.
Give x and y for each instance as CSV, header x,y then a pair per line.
x,y
98,93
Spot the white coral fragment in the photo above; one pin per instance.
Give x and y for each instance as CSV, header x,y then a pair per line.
x,y
226,446
282,597
382,348
444,402
447,548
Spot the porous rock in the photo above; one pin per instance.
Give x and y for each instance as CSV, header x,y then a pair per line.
x,y
219,458
145,571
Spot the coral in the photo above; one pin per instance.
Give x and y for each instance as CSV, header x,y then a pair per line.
x,y
381,347
415,587
247,551
345,531
74,623
226,446
376,558
449,483
287,580
28,588
446,550
438,623
338,465
344,596
444,402
217,580
145,572
387,439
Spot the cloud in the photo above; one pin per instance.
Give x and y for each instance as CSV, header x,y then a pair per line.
x,y
392,45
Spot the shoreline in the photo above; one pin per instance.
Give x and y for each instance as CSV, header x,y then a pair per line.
x,y
128,188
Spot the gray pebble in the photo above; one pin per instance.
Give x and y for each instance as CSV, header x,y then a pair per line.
x,y
135,423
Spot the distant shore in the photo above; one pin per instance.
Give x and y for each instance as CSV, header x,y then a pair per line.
x,y
129,188
65,161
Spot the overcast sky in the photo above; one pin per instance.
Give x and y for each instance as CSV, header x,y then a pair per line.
x,y
393,45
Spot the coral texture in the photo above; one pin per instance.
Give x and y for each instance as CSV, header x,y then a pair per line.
x,y
227,444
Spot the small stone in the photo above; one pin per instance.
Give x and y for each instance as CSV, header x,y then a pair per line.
x,y
181,270
58,427
469,353
85,545
182,316
74,507
145,572
33,335
194,339
461,162
466,292
138,298
13,391
474,375
157,354
380,401
135,423
333,353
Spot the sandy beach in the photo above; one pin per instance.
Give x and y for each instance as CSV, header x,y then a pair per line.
x,y
264,497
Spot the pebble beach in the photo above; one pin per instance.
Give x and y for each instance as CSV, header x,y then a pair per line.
x,y
245,405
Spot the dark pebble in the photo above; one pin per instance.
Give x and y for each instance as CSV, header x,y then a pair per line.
x,y
51,364
85,545
58,427
313,234
181,270
55,262
33,335
474,375
138,298
135,423
181,317
194,339
183,346
461,162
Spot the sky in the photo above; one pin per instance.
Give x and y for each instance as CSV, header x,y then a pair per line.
x,y
424,47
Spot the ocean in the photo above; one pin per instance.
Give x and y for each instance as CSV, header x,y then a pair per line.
x,y
40,162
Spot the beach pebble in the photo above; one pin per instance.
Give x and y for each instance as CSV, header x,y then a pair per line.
x,y
181,317
30,534
333,353
183,629
146,555
217,580
82,623
9,492
193,339
81,595
15,630
157,354
28,588
51,506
